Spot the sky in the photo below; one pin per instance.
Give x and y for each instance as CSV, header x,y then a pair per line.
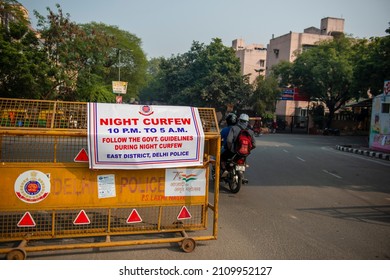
x,y
170,27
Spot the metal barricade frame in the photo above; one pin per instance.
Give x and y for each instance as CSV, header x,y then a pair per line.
x,y
47,136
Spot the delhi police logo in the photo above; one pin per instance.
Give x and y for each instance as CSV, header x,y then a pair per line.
x,y
146,110
32,186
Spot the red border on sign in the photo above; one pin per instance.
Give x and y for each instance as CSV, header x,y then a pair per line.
x,y
26,221
134,217
82,219
184,214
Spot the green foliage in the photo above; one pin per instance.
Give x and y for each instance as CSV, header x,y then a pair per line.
x,y
372,64
79,62
120,51
283,72
339,70
92,88
205,76
265,95
151,92
69,61
24,68
325,73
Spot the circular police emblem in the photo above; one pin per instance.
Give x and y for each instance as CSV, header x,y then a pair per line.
x,y
146,110
32,186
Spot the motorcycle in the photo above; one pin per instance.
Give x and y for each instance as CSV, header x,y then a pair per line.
x,y
331,131
234,174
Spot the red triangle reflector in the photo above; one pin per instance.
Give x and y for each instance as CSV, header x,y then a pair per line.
x,y
82,156
134,217
184,214
82,219
26,221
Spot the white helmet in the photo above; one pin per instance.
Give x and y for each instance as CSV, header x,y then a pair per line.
x,y
244,118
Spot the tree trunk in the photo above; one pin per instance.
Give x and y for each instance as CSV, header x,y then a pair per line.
x,y
330,118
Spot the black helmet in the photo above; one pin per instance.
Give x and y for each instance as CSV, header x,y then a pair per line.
x,y
231,119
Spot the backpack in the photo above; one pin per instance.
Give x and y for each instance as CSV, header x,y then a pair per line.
x,y
243,145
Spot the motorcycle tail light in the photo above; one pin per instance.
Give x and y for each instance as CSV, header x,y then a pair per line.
x,y
241,161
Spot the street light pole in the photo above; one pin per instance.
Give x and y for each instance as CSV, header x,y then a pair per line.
x,y
119,65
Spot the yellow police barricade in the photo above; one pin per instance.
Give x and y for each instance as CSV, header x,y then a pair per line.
x,y
51,189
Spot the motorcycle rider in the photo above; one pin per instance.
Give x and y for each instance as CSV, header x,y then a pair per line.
x,y
243,123
231,120
234,131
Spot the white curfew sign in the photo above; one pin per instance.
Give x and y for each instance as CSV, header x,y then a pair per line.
x,y
123,136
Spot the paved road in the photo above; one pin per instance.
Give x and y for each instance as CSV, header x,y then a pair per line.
x,y
304,200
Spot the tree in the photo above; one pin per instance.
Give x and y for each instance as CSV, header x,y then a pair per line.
x,y
24,68
205,76
77,57
265,95
151,92
283,73
69,61
339,70
120,52
219,79
87,58
372,61
325,73
123,55
64,43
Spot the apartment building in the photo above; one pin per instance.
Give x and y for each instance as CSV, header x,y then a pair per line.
x,y
286,48
252,58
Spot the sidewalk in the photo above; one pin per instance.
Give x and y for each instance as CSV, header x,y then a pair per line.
x,y
363,151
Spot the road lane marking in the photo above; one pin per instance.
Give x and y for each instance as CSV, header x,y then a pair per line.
x,y
301,159
285,151
330,173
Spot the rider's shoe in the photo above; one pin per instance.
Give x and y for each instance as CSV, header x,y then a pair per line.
x,y
245,181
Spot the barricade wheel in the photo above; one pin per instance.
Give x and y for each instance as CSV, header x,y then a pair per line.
x,y
17,254
188,245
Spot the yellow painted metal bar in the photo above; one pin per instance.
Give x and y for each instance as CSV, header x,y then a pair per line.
x,y
216,187
53,222
105,244
159,217
109,221
43,132
53,114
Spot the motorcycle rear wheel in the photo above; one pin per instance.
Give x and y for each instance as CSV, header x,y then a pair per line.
x,y
235,181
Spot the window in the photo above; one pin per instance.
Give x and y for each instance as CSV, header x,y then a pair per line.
x,y
385,107
262,63
276,52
